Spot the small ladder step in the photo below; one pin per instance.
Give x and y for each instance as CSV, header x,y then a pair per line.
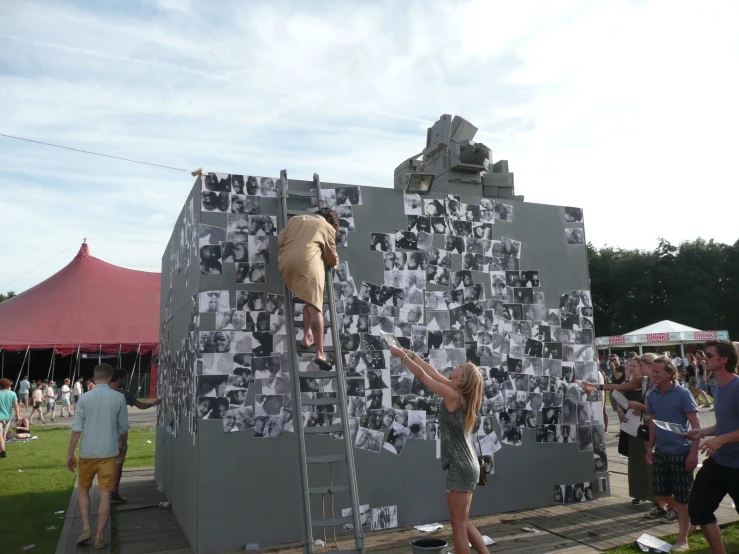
x,y
317,375
299,212
324,429
333,522
336,489
345,551
320,401
326,459
302,349
304,193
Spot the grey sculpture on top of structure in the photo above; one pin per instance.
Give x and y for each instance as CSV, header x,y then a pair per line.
x,y
452,160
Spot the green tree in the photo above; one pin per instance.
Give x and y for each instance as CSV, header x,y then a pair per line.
x,y
9,294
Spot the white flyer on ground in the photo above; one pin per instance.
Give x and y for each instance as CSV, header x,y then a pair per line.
x,y
650,542
671,427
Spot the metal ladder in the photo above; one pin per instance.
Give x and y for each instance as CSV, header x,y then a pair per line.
x,y
345,458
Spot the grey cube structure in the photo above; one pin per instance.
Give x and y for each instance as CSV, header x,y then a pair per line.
x,y
230,489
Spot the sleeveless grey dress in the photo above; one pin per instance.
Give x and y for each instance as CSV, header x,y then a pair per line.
x,y
458,457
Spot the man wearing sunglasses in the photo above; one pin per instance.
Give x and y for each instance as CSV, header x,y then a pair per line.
x,y
719,475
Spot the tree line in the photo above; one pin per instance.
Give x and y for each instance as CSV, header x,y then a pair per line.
x,y
695,284
7,295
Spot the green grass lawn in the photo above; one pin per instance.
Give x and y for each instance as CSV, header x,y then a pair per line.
x,y
35,483
698,544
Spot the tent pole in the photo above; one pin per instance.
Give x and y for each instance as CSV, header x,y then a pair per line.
x,y
2,363
682,351
53,362
138,358
49,374
120,345
22,366
100,353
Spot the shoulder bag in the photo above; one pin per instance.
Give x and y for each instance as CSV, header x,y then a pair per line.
x,y
643,431
482,481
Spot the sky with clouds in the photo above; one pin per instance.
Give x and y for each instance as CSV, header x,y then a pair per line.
x,y
627,109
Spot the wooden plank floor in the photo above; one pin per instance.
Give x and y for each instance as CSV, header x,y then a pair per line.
x,y
144,528
73,525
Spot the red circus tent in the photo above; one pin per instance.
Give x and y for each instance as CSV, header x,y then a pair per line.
x,y
89,305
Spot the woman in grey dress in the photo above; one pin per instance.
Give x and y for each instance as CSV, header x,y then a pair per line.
x,y
462,395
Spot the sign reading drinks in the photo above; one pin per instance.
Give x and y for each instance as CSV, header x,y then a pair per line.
x,y
650,338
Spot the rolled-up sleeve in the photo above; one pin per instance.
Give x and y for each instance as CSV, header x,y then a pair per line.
x,y
123,416
329,248
79,417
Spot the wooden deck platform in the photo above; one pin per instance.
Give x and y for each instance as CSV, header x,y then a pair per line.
x,y
142,527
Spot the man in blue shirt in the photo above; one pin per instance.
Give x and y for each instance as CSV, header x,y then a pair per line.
x,y
719,475
101,419
675,456
23,388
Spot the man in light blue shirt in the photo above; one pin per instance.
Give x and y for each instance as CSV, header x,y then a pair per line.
x,y
101,419
23,388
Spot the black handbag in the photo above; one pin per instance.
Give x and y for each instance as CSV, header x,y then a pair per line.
x,y
482,481
642,432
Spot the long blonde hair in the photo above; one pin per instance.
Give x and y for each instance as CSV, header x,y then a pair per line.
x,y
471,391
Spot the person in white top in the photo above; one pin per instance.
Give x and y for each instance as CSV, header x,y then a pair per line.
x,y
66,393
50,398
77,390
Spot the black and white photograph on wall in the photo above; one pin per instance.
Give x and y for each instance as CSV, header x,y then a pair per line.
x,y
406,240
237,227
346,218
437,320
252,205
217,364
425,241
231,320
567,433
328,196
262,225
504,212
461,228
510,434
487,210
213,301
530,278
250,301
384,518
355,387
344,290
559,494
575,236
482,231
523,295
573,215
268,404
412,204
600,458
211,386
269,187
546,434
377,378
382,242
211,235
210,260
251,273
265,367
370,440
439,257
214,342
364,516
602,484
342,238
217,182
584,437
232,252
258,249
473,262
316,419
437,275
439,225
510,247
212,408
582,492
350,195
433,207
401,384
418,223
454,245
378,399
474,246
432,430
350,324
218,202
434,301
237,203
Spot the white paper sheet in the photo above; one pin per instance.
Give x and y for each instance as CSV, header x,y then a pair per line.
x,y
631,424
671,427
649,541
620,399
429,527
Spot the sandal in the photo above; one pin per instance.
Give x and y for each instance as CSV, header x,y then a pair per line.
x,y
636,501
322,364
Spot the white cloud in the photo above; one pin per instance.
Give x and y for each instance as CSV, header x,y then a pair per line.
x,y
625,108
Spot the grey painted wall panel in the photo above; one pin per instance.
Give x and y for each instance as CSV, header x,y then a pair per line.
x,y
240,489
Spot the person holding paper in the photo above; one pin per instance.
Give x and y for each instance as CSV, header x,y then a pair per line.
x,y
462,399
675,457
719,475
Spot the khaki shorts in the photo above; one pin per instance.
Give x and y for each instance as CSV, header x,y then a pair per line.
x,y
104,468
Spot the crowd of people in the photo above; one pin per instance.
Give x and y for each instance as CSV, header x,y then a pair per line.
x,y
661,463
100,425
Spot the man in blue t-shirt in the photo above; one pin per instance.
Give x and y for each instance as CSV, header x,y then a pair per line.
x,y
675,456
719,475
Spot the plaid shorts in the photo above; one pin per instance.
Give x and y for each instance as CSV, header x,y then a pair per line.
x,y
670,477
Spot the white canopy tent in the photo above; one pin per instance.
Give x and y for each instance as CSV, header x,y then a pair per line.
x,y
663,333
